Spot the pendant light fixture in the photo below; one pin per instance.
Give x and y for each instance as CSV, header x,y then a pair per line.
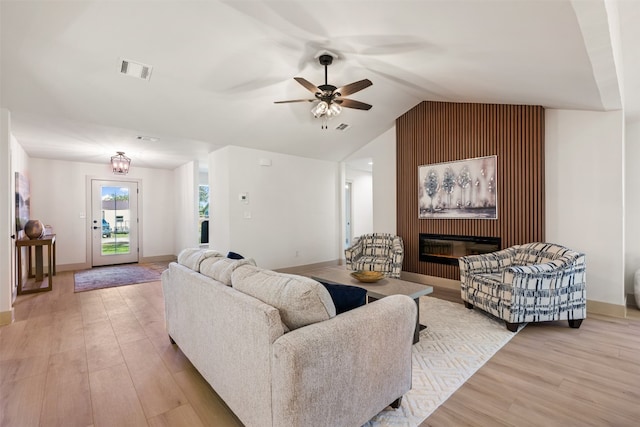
x,y
120,163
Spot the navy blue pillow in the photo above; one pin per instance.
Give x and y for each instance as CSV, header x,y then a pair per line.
x,y
345,297
233,255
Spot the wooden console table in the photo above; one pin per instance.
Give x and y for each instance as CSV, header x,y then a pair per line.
x,y
37,244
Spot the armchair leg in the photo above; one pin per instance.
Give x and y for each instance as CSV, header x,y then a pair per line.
x,y
575,323
513,327
396,403
468,305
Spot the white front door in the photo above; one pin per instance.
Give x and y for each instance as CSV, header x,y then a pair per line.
x,y
114,222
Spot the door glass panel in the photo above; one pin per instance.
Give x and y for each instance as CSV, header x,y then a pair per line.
x,y
116,218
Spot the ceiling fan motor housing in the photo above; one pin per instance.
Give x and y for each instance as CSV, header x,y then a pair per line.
x,y
325,60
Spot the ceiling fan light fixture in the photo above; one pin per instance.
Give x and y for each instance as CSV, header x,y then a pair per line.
x,y
330,97
334,110
320,109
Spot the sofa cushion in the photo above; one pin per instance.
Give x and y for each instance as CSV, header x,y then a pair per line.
x,y
220,268
345,297
192,257
300,300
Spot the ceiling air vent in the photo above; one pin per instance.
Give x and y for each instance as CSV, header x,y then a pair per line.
x,y
343,126
135,69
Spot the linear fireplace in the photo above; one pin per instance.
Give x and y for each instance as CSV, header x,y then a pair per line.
x,y
446,249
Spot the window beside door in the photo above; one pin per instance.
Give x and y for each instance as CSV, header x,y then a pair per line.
x,y
203,213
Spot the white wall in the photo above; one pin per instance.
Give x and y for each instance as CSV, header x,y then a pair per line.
x,y
203,177
382,151
7,224
584,174
14,159
59,198
293,207
362,201
19,163
186,206
632,203
219,200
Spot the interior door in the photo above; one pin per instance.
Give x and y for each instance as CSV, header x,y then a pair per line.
x,y
348,232
114,222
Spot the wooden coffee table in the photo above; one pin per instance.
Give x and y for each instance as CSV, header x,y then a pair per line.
x,y
380,289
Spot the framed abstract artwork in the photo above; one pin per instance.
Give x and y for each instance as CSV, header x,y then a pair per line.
x,y
23,202
463,189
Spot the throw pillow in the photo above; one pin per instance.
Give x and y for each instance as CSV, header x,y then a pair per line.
x,y
234,255
300,300
346,297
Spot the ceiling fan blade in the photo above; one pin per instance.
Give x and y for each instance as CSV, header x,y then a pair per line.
x,y
307,84
294,100
350,103
354,87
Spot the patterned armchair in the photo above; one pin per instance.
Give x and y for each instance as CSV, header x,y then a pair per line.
x,y
376,252
534,282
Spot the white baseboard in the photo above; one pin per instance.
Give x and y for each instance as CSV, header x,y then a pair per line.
x,y
607,309
6,317
72,267
159,258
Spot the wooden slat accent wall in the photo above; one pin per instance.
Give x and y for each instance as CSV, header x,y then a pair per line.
x,y
436,132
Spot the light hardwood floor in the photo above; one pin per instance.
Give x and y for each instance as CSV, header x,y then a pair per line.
x,y
99,358
103,358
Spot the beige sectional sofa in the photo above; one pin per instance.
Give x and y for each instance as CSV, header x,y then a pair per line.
x,y
272,347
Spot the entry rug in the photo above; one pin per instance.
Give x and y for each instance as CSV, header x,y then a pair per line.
x,y
456,343
118,275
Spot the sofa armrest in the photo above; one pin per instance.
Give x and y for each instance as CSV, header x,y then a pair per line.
x,y
493,262
354,251
397,247
360,360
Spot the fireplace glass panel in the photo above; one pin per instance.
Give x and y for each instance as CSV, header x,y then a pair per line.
x,y
446,249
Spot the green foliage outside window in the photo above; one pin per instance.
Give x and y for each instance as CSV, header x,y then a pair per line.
x,y
203,201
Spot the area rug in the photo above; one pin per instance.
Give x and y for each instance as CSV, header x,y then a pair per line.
x,y
118,275
456,343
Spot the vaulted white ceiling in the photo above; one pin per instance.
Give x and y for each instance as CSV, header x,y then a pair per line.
x,y
218,66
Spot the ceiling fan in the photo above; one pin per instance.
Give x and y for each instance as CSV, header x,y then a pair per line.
x,y
330,97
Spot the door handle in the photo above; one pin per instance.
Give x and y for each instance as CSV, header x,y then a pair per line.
x,y
95,228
